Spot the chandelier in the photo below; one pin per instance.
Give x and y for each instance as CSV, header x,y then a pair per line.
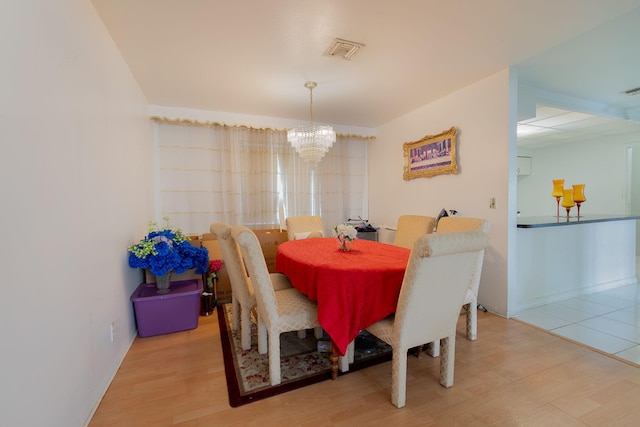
x,y
311,141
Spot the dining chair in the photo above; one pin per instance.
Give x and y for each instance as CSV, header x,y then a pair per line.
x,y
243,298
411,227
278,312
452,224
436,278
304,227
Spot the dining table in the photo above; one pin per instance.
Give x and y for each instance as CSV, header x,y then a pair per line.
x,y
353,288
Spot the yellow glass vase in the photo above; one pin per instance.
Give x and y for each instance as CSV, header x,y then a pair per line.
x,y
558,191
578,196
567,200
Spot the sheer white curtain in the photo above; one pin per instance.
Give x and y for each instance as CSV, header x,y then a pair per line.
x,y
342,182
242,175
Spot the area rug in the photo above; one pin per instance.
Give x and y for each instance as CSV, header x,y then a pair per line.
x,y
247,372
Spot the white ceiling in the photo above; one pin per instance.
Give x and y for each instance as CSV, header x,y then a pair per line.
x,y
254,56
553,126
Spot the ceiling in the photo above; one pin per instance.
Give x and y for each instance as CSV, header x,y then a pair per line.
x,y
254,56
553,126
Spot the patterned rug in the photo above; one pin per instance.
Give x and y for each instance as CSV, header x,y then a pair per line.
x,y
247,372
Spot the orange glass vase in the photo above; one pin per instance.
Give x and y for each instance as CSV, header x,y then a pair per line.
x,y
558,187
578,196
567,201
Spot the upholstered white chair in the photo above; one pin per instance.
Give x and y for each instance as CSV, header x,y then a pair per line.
x,y
437,276
451,224
411,227
243,298
278,312
304,227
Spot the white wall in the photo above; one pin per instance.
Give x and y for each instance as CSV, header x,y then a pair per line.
x,y
76,188
481,113
633,192
598,164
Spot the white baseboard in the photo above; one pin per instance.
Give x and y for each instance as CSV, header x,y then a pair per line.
x,y
108,378
575,293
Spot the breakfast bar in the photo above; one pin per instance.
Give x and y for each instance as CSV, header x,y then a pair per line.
x,y
559,258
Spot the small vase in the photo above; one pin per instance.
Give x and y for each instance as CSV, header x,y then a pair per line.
x,y
163,283
211,283
344,244
207,303
208,297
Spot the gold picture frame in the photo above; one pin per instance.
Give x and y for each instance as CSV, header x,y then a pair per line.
x,y
430,156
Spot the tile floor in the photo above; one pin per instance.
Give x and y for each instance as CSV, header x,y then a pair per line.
x,y
608,321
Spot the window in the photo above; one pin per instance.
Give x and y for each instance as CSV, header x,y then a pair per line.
x,y
253,177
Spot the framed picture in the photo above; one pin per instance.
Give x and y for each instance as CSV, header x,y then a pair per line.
x,y
432,155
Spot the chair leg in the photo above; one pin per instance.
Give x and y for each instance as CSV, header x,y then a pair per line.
x,y
349,355
416,350
245,327
317,332
447,359
399,377
274,359
262,337
235,312
472,320
433,349
343,363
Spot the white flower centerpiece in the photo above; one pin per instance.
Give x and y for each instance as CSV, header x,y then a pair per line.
x,y
346,234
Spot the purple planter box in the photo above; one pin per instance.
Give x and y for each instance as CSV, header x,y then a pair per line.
x,y
158,314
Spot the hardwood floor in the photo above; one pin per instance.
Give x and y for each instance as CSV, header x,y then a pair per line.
x,y
513,375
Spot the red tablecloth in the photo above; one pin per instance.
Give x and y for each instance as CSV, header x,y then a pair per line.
x,y
354,289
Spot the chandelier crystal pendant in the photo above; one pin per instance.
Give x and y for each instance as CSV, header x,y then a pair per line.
x,y
311,141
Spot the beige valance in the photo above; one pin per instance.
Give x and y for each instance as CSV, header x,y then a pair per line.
x,y
212,124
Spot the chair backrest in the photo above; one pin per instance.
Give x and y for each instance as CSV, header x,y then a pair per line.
x,y
232,258
450,224
411,227
258,271
304,227
435,282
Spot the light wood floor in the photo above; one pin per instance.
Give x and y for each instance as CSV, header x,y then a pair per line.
x,y
514,375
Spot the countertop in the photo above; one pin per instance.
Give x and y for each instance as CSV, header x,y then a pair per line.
x,y
552,220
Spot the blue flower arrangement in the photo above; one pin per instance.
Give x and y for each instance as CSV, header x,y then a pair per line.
x,y
164,250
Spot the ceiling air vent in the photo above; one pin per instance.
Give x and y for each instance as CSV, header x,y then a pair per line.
x,y
632,92
343,48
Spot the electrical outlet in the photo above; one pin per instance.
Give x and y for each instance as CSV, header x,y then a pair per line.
x,y
113,331
492,203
